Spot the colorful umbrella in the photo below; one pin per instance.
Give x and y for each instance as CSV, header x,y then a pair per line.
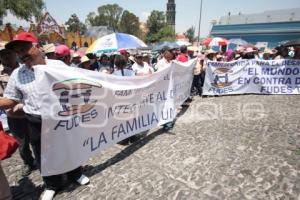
x,y
114,42
206,41
217,41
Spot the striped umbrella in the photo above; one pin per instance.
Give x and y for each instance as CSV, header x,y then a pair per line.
x,y
206,41
217,41
114,42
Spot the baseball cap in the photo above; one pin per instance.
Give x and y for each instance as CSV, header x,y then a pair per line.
x,y
23,37
123,52
62,50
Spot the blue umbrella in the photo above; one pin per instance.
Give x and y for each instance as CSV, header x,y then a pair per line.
x,y
161,45
238,41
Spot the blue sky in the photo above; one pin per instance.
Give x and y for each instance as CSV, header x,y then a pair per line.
x,y
187,10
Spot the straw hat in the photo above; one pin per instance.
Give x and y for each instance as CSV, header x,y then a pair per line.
x,y
76,55
237,55
2,45
268,51
249,50
49,48
84,59
219,56
210,51
131,58
2,48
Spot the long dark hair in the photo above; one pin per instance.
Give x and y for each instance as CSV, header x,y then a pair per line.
x,y
120,63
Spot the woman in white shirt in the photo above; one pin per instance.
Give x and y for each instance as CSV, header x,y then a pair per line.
x,y
120,64
140,67
166,61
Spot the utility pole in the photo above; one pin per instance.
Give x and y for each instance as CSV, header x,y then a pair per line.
x,y
199,28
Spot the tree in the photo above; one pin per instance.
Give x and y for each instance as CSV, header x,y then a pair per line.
x,y
108,15
190,34
22,9
74,24
129,23
166,34
155,22
95,20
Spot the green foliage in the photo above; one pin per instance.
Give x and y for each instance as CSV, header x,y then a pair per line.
x,y
190,34
108,15
129,23
155,22
158,28
23,9
166,34
74,24
114,16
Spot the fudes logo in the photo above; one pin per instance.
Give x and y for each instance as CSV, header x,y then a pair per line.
x,y
221,77
75,96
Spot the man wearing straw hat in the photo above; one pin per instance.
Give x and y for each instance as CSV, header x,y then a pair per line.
x,y
49,50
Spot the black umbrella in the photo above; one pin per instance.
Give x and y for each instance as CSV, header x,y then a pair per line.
x,y
292,43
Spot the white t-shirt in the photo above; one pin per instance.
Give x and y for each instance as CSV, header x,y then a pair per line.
x,y
138,69
126,72
162,64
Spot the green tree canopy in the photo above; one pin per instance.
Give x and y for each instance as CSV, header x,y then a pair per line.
x,y
158,28
108,15
155,22
166,34
74,24
190,34
129,23
23,9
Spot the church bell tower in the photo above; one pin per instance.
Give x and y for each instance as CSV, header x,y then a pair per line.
x,y
171,13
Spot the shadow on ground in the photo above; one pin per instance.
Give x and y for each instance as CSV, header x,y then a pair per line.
x,y
26,190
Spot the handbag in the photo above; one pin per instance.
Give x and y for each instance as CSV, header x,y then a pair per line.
x,y
8,144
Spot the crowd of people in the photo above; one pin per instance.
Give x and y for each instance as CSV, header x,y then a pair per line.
x,y
20,95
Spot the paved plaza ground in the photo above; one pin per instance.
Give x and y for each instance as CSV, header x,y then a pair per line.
x,y
234,147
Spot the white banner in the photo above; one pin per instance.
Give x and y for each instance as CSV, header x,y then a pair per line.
x,y
252,76
85,112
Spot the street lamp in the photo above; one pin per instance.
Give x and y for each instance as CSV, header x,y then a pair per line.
x,y
199,28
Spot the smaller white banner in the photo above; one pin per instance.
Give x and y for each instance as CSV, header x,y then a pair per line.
x,y
253,76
